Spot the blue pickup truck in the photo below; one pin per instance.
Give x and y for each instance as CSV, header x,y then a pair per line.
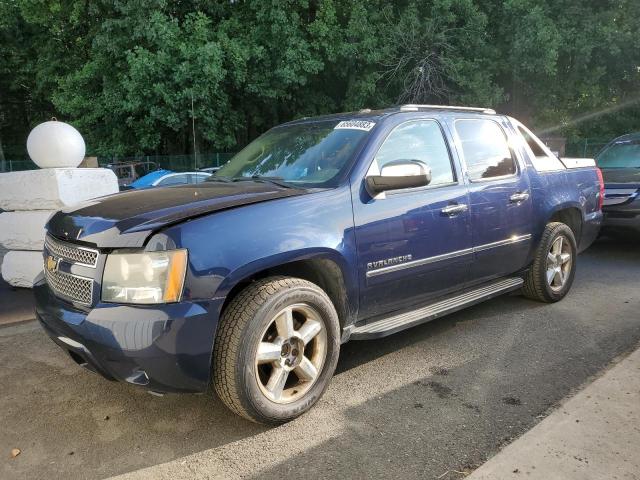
x,y
323,230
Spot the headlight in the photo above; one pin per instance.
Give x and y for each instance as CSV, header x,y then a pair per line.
x,y
147,278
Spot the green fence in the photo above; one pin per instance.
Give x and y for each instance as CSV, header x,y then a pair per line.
x,y
584,147
178,163
574,147
10,165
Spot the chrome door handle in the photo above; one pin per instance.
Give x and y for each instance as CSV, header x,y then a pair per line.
x,y
455,209
519,197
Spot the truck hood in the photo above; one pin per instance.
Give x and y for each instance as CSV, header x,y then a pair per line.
x,y
125,220
625,177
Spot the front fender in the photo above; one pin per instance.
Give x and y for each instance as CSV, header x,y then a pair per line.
x,y
232,245
266,263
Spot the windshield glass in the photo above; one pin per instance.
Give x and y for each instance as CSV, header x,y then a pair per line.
x,y
307,154
623,154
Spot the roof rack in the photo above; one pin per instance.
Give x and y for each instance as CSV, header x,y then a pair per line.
x,y
411,107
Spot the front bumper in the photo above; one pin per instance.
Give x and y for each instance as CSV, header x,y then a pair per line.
x,y
164,348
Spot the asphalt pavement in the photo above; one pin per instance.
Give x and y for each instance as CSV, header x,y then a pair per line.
x,y
595,435
16,304
434,402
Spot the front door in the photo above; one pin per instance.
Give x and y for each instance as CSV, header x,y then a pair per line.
x,y
500,199
413,244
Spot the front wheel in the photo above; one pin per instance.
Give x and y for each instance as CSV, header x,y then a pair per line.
x,y
276,349
553,270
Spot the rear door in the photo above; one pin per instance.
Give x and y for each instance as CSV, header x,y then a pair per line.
x,y
413,244
499,198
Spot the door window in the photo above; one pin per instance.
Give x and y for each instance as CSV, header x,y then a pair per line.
x,y
199,178
485,149
173,180
420,140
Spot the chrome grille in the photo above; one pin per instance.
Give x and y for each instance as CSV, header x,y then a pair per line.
x,y
71,287
64,284
72,253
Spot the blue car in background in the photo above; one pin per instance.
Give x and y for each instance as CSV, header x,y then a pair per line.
x,y
323,230
165,178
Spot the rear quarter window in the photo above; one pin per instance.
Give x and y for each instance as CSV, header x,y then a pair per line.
x,y
542,158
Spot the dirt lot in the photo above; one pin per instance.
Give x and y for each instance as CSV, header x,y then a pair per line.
x,y
439,398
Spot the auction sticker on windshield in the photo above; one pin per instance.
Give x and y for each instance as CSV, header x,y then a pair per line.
x,y
355,125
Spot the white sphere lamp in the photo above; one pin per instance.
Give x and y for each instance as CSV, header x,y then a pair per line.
x,y
55,144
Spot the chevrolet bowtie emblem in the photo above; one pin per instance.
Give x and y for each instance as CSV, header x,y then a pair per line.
x,y
51,264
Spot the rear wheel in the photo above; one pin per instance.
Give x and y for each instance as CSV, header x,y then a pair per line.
x,y
276,349
553,270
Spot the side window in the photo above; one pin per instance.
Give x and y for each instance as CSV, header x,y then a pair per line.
x,y
199,178
173,180
535,147
124,173
485,149
420,140
541,157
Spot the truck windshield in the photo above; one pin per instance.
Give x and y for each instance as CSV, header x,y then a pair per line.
x,y
305,154
623,154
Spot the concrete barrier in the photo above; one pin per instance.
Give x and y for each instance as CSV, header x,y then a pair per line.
x,y
23,230
54,188
29,199
20,268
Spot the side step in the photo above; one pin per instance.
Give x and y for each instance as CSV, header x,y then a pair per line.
x,y
396,323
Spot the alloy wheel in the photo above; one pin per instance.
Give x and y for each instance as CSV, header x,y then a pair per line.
x,y
559,263
291,353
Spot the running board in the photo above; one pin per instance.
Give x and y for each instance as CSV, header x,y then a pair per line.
x,y
396,323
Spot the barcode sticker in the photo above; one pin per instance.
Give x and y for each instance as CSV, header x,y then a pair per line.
x,y
355,125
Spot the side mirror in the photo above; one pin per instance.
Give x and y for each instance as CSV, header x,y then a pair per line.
x,y
399,174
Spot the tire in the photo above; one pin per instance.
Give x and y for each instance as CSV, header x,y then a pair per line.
x,y
544,282
248,368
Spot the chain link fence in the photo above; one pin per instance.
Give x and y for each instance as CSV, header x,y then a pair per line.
x,y
585,147
574,147
11,165
177,163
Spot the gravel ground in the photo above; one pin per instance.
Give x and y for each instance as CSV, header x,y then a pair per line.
x,y
426,403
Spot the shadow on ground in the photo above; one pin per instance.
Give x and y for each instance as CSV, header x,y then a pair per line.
x,y
438,398
16,304
447,423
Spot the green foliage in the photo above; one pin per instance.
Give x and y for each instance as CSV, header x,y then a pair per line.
x,y
135,75
562,60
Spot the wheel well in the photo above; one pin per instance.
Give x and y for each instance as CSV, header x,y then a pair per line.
x,y
323,272
572,218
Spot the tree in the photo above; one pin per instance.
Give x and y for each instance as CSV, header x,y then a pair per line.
x,y
562,59
436,53
127,72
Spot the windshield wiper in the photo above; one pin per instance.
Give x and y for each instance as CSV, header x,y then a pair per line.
x,y
279,181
